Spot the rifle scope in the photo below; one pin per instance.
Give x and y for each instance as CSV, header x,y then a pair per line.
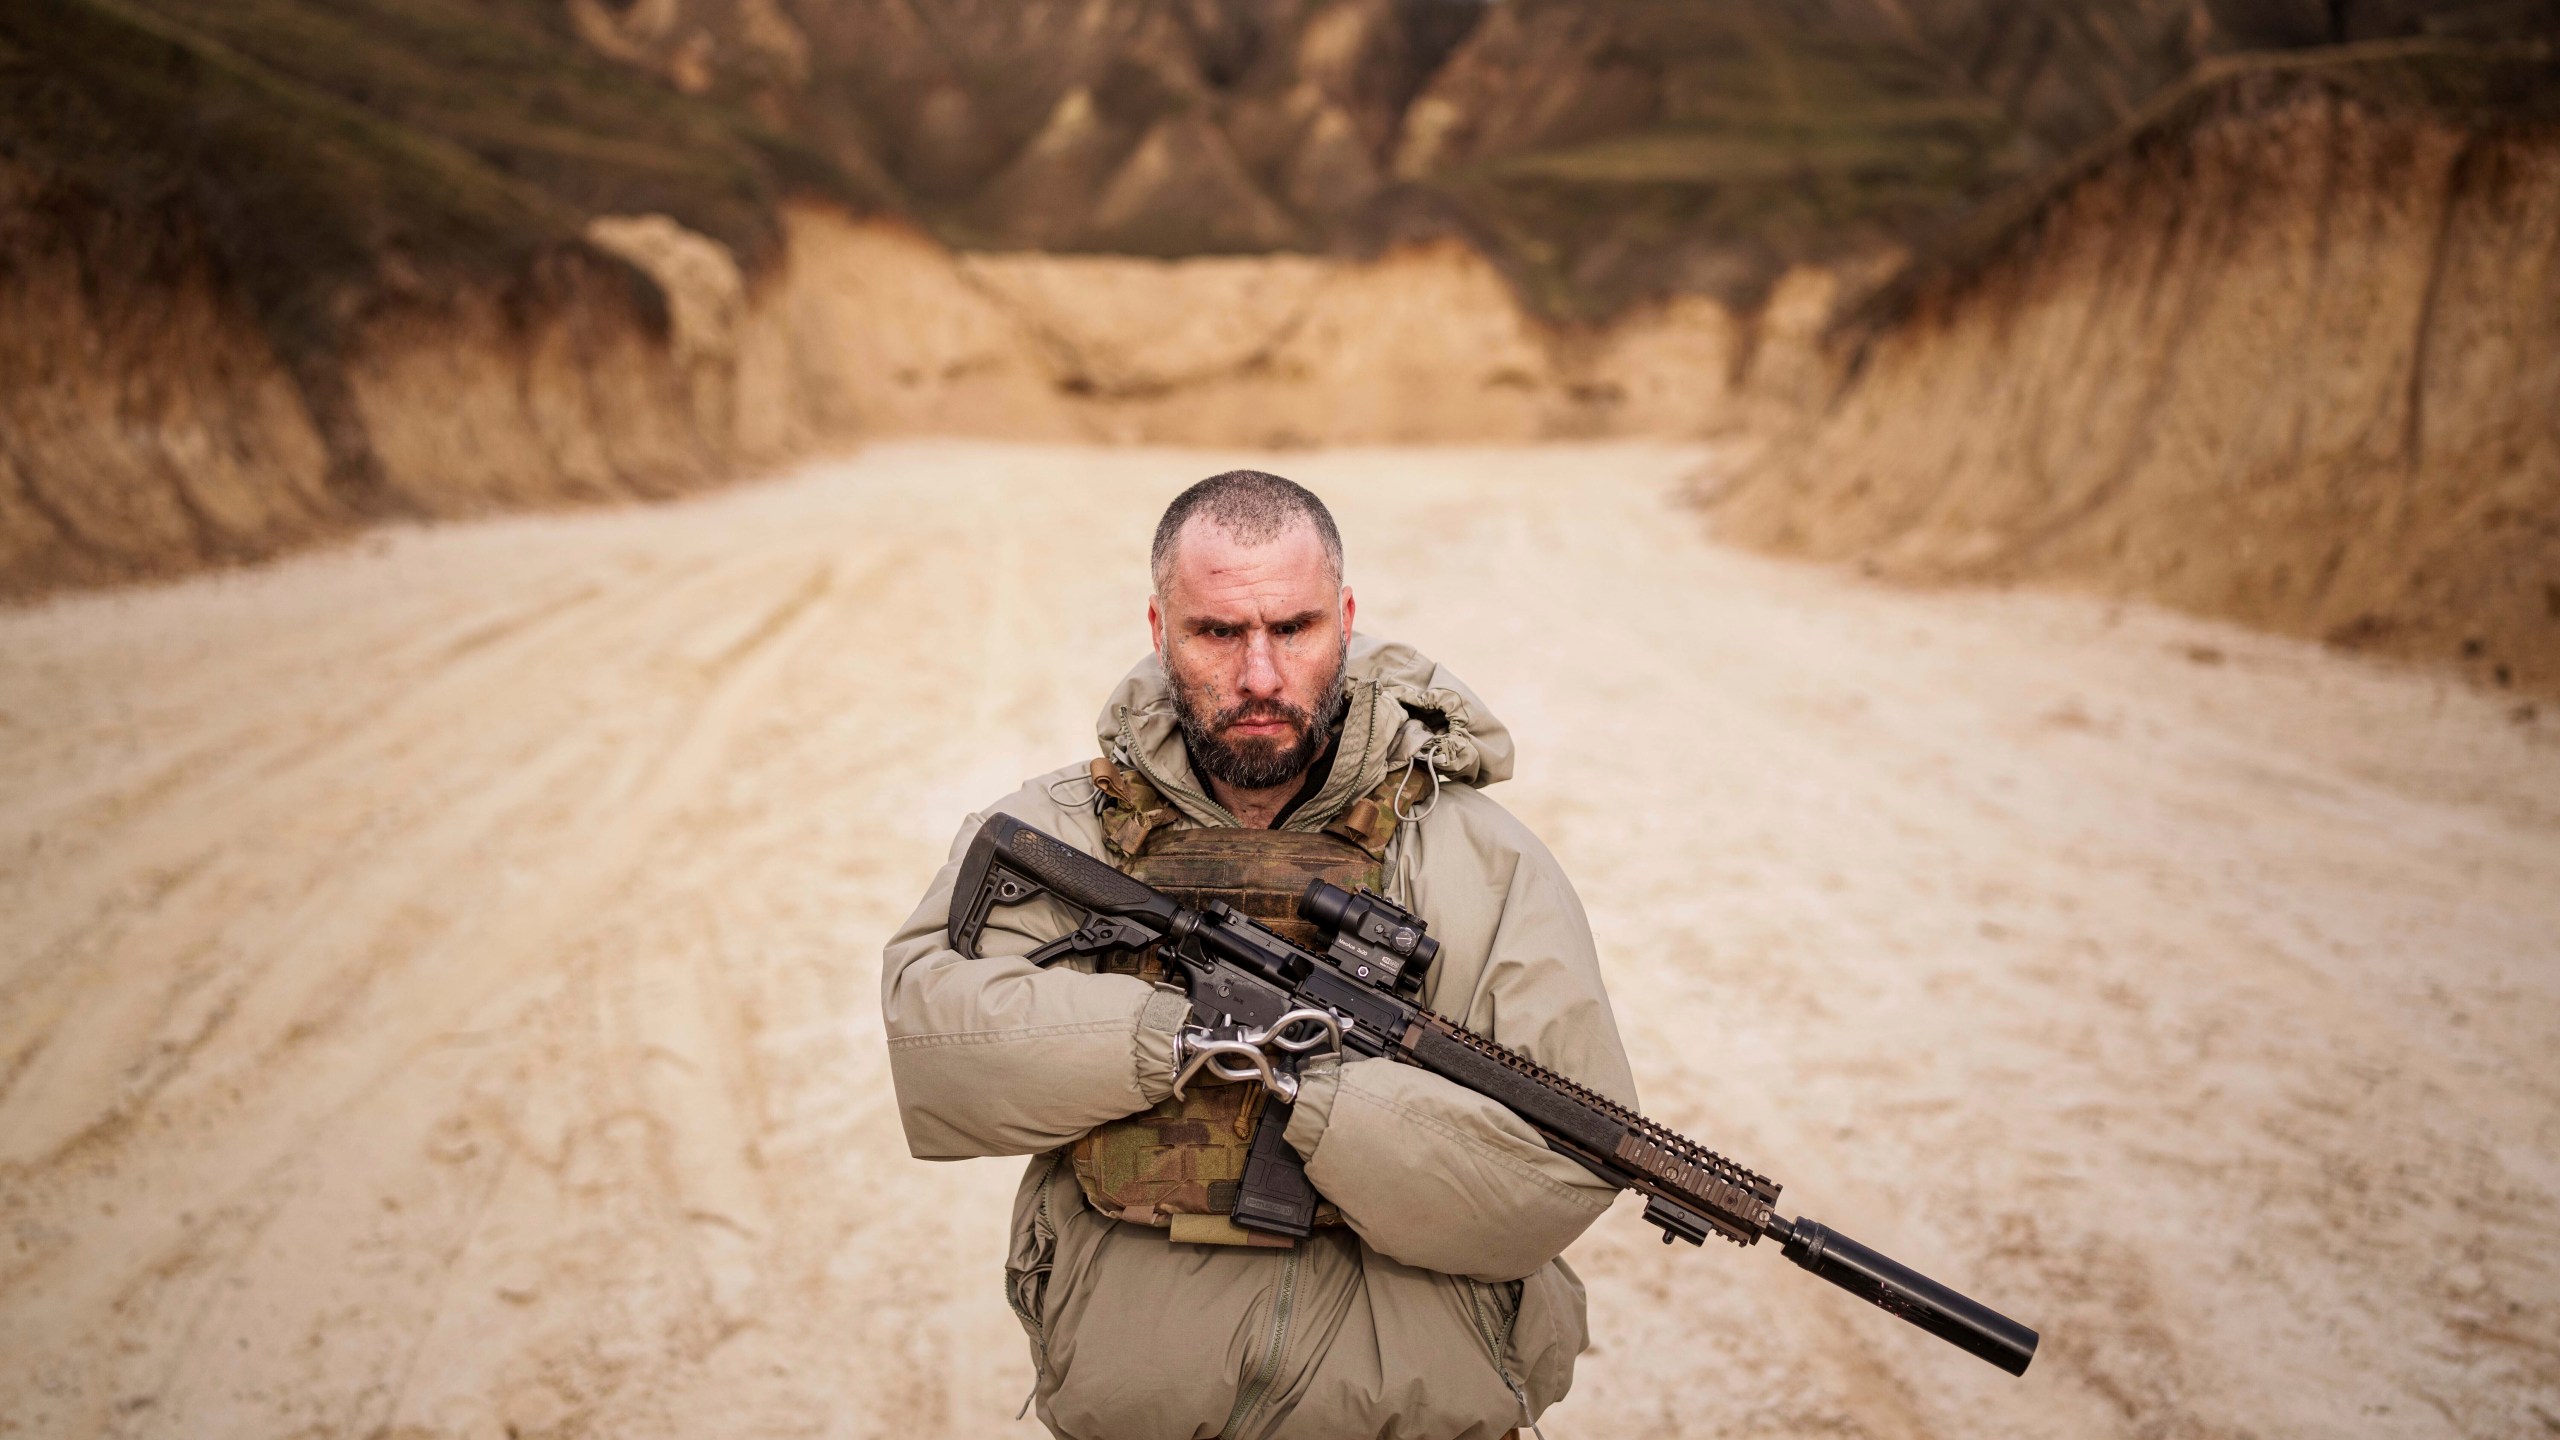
x,y
1373,937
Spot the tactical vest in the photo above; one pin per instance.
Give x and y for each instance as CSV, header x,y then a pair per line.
x,y
1176,1166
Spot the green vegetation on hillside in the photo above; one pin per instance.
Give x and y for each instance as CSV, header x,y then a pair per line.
x,y
1802,161
2483,89
317,149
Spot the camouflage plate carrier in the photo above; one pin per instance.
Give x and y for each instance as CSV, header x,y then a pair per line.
x,y
1176,1166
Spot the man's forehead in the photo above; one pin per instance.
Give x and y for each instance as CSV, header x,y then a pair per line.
x,y
1211,561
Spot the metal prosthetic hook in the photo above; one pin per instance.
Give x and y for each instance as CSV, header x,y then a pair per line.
x,y
1249,1063
1246,1054
1325,1030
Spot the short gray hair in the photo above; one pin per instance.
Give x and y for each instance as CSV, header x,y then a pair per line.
x,y
1250,505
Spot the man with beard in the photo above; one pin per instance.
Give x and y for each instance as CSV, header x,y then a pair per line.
x,y
1262,744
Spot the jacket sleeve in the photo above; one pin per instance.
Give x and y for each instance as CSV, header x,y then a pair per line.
x,y
994,1057
1433,1175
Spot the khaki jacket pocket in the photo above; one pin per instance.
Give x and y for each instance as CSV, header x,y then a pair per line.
x,y
1032,1253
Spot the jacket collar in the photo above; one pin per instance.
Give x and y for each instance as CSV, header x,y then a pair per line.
x,y
1403,708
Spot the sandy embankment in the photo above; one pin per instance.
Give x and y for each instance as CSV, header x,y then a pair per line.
x,y
438,992
2287,352
149,426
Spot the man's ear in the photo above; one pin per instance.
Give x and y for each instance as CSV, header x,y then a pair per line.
x,y
1155,625
1349,607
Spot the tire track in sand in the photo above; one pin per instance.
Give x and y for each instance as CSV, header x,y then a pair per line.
x,y
325,1085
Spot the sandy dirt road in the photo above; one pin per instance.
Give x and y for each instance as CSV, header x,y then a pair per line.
x,y
438,988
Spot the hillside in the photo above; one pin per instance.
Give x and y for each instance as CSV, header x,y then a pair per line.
x,y
273,269
2283,350
1602,153
224,226
317,155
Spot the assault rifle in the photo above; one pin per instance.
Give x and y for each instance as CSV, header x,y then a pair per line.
x,y
1259,1002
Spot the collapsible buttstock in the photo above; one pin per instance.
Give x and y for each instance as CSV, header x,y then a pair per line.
x,y
1070,873
1009,862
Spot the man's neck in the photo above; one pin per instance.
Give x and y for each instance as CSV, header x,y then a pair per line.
x,y
1256,809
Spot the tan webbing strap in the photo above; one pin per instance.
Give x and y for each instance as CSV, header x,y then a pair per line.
x,y
1219,1230
1370,821
1132,811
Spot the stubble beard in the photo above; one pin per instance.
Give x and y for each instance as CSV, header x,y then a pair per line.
x,y
1254,762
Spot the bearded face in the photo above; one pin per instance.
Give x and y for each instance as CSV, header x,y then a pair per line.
x,y
1257,744
1253,632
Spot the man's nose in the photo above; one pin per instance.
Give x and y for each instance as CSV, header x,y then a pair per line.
x,y
1261,677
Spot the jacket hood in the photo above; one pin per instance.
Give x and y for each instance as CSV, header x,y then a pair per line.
x,y
1403,705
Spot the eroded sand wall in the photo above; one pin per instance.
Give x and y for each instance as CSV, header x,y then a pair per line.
x,y
149,424
889,334
2297,365
153,426
139,423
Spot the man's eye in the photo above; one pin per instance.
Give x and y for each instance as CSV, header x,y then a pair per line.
x,y
1291,628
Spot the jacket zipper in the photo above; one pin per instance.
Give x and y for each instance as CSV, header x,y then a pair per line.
x,y
1041,1224
1306,820
1164,786
1498,1339
1249,1399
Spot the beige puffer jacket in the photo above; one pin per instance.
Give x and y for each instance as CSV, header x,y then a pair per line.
x,y
1442,1313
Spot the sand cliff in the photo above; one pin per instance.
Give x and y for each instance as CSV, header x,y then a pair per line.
x,y
2288,351
154,428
